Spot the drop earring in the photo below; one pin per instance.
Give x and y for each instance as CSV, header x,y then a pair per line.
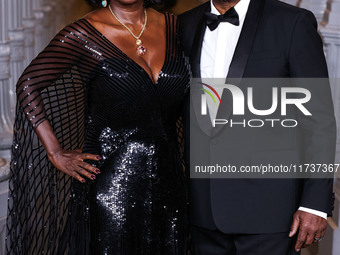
x,y
104,3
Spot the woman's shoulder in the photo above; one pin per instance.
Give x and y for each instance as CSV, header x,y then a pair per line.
x,y
81,34
84,26
97,18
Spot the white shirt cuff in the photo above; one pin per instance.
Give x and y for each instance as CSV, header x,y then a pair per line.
x,y
316,212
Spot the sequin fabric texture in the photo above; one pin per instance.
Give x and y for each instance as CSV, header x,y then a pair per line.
x,y
99,99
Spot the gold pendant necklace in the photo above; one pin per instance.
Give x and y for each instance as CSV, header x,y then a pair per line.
x,y
141,50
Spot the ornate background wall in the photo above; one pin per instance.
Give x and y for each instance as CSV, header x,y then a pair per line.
x,y
26,27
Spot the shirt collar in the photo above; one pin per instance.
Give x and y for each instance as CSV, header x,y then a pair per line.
x,y
241,8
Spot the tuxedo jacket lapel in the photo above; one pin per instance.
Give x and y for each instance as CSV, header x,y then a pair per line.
x,y
195,55
245,42
195,61
240,58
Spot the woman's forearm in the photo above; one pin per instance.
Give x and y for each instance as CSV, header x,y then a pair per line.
x,y
48,138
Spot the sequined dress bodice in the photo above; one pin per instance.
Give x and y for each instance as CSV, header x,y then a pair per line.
x,y
132,125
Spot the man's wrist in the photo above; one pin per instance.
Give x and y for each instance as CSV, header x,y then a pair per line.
x,y
315,212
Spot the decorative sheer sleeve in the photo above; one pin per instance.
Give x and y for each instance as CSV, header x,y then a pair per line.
x,y
68,51
41,198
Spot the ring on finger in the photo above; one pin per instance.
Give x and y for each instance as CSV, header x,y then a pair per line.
x,y
317,239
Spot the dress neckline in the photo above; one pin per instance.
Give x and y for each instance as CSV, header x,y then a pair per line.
x,y
129,58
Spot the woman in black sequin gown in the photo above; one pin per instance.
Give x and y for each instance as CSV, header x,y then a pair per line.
x,y
88,89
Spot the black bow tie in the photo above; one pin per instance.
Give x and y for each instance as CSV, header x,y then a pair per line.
x,y
213,20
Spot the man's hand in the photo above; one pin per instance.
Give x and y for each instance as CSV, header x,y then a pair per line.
x,y
310,227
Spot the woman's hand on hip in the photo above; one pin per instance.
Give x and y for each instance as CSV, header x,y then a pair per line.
x,y
72,163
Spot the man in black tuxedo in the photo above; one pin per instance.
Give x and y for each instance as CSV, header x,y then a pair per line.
x,y
259,39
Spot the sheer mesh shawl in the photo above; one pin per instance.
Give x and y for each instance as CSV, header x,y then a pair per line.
x,y
48,210
42,209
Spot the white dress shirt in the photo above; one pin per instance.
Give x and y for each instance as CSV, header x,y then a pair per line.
x,y
217,52
218,49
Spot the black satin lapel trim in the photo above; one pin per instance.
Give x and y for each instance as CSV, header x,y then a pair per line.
x,y
240,57
245,42
196,49
203,121
224,111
